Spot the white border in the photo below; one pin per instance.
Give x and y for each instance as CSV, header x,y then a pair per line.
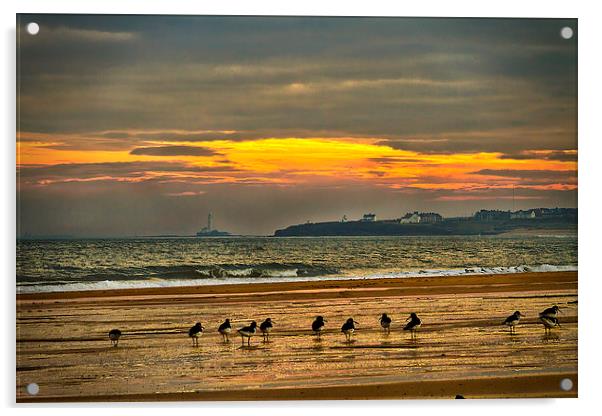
x,y
590,94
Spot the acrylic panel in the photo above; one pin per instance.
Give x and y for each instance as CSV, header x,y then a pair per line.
x,y
284,208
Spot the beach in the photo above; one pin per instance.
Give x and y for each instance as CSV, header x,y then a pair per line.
x,y
461,348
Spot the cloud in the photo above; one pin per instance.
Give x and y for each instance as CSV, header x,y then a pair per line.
x,y
65,34
534,179
185,193
522,142
560,155
115,171
393,79
174,151
529,174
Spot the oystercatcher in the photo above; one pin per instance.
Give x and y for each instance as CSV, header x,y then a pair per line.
x,y
318,325
413,325
248,332
225,330
385,322
114,335
513,320
348,328
195,332
265,327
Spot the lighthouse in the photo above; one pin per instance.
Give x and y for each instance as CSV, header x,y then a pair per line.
x,y
210,221
209,231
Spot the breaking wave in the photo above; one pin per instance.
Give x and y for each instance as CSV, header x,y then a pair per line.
x,y
223,275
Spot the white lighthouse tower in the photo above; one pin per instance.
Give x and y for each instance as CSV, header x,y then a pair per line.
x,y
210,221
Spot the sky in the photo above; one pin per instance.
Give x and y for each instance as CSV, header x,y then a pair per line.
x,y
142,125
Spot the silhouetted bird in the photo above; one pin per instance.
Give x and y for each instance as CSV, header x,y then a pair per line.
x,y
248,332
550,312
413,325
195,332
513,320
225,330
348,328
318,325
114,335
385,322
265,327
549,322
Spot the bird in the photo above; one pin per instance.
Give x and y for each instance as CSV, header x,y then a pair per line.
x,y
549,322
248,332
318,325
413,325
265,327
114,335
348,328
550,312
195,332
513,320
385,322
225,330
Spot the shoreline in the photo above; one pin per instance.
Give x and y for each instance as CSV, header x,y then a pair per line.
x,y
322,289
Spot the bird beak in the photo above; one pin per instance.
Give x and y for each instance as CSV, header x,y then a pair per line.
x,y
324,320
357,323
408,319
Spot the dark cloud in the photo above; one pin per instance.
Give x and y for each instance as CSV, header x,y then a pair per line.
x,y
391,160
365,77
69,171
551,175
173,151
515,143
562,156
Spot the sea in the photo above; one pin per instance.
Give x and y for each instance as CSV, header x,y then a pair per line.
x,y
100,264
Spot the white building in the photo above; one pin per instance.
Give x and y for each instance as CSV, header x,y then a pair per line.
x,y
410,218
522,215
369,218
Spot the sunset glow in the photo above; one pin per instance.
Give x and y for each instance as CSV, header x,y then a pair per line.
x,y
165,116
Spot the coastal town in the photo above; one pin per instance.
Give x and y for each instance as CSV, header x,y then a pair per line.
x,y
483,222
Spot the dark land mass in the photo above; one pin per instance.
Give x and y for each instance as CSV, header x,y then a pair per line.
x,y
450,226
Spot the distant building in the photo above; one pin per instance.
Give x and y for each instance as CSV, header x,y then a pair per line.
x,y
369,217
555,212
522,215
492,215
430,217
410,218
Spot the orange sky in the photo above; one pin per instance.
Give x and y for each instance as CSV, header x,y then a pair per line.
x,y
315,160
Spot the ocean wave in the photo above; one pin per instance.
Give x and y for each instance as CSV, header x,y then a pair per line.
x,y
280,273
473,271
69,274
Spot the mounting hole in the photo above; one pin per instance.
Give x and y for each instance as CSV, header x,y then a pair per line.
x,y
33,388
566,384
566,32
33,28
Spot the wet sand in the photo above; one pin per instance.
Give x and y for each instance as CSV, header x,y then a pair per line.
x,y
462,348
